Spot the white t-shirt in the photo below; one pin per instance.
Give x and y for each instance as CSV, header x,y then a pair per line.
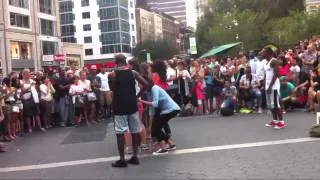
x,y
85,84
170,72
104,81
75,89
45,93
33,93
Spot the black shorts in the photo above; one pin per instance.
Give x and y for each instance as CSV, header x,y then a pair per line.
x,y
30,108
78,111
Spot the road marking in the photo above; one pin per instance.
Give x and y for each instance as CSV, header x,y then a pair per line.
x,y
177,152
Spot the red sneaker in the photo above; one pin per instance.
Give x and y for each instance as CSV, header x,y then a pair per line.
x,y
271,124
280,125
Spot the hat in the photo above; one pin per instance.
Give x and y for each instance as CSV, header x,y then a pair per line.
x,y
94,67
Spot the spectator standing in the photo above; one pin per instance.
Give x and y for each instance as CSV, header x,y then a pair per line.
x,y
308,58
46,101
105,93
62,86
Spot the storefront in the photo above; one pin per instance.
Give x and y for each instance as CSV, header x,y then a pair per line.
x,y
73,54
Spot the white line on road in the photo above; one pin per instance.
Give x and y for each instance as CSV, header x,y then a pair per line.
x,y
182,151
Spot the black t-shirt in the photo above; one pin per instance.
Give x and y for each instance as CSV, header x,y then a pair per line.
x,y
63,82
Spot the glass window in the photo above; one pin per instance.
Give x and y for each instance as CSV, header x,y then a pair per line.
x,y
110,49
65,6
109,13
88,39
124,3
45,6
131,4
126,48
19,3
106,3
133,39
19,20
87,27
66,18
46,27
84,3
124,14
107,26
88,52
125,26
86,15
48,48
20,50
125,38
110,38
69,40
132,27
68,30
132,16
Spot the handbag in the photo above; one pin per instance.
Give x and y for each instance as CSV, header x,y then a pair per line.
x,y
79,103
91,96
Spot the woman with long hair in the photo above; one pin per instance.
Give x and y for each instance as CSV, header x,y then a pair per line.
x,y
159,74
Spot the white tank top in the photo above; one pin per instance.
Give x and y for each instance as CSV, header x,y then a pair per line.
x,y
269,75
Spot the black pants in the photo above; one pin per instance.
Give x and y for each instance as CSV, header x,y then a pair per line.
x,y
160,128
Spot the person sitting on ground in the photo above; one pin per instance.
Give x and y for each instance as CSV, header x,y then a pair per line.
x,y
287,94
229,93
314,90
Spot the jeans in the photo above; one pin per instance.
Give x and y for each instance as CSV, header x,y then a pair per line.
x,y
159,123
64,106
256,94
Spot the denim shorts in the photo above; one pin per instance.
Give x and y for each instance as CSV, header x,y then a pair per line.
x,y
127,123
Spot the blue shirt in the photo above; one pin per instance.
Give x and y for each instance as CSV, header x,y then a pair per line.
x,y
161,100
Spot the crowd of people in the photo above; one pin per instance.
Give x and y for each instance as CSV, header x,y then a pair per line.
x,y
143,97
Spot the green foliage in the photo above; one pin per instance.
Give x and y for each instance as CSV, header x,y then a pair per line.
x,y
159,50
255,23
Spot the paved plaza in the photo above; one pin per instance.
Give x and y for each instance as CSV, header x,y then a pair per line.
x,y
209,147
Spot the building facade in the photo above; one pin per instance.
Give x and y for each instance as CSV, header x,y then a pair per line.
x,y
312,5
104,27
29,33
156,26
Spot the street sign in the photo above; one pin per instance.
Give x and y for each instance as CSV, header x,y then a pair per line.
x,y
193,45
47,58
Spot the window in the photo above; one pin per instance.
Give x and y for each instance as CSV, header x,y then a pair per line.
x,y
132,27
65,6
68,30
19,20
125,26
131,4
87,27
124,3
125,38
46,27
126,48
133,40
110,49
88,39
109,13
132,16
88,52
106,3
84,3
124,14
69,39
48,48
20,3
20,50
45,6
107,26
66,18
86,15
110,38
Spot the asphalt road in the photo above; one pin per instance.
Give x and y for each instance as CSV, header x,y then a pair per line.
x,y
209,147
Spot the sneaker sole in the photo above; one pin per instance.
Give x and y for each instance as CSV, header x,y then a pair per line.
x,y
159,154
276,127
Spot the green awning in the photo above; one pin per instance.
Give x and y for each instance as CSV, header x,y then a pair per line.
x,y
219,49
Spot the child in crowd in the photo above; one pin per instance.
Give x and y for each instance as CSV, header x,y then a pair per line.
x,y
198,91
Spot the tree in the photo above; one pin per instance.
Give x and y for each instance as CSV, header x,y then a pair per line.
x,y
159,50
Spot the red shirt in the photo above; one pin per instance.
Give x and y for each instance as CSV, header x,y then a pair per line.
x,y
284,70
157,81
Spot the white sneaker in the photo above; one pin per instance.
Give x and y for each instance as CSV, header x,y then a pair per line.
x,y
260,111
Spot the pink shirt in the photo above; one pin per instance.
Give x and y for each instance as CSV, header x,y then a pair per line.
x,y
198,90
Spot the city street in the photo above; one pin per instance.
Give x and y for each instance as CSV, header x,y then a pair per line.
x,y
209,147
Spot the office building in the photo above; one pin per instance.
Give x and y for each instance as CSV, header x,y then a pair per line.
x,y
29,34
312,5
156,26
104,27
